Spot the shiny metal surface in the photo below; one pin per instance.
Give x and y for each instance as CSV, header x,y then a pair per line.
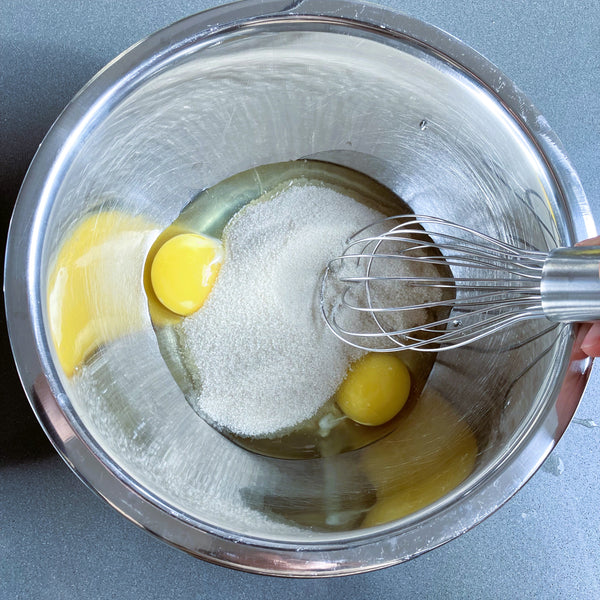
x,y
245,85
390,269
570,285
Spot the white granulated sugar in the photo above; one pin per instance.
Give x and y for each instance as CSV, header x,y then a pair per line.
x,y
262,358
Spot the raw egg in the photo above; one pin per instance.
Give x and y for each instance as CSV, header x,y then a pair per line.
x,y
450,472
184,270
431,451
376,388
94,291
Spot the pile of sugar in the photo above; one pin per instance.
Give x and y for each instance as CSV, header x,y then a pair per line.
x,y
260,355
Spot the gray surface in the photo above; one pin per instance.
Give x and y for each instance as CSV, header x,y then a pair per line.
x,y
58,540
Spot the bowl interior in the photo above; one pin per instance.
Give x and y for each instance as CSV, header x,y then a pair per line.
x,y
278,91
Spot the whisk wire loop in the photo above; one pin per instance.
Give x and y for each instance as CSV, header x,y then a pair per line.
x,y
429,284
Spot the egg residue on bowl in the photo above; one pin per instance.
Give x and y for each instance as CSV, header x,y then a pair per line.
x,y
89,303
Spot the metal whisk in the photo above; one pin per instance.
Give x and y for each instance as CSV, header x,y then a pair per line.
x,y
424,283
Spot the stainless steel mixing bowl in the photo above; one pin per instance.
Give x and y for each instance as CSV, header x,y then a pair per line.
x,y
255,83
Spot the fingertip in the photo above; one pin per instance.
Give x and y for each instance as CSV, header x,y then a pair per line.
x,y
591,342
595,241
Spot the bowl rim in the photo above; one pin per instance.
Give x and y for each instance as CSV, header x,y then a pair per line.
x,y
383,546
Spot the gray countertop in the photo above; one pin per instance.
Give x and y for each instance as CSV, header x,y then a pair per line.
x,y
58,540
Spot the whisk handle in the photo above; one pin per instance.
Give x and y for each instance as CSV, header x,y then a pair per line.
x,y
570,285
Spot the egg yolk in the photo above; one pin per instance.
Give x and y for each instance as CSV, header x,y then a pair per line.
x,y
451,471
93,285
431,451
376,388
184,271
